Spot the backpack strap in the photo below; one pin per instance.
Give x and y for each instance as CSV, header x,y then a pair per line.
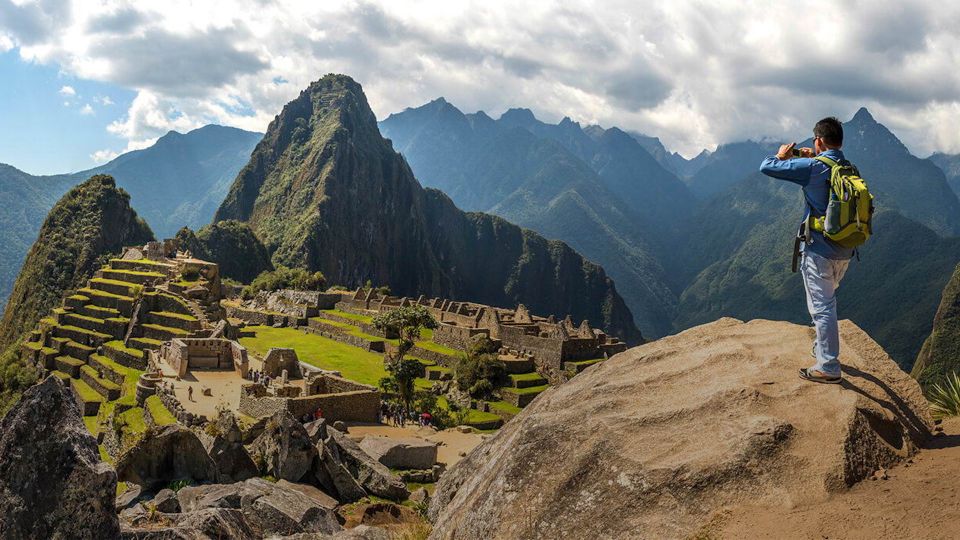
x,y
827,161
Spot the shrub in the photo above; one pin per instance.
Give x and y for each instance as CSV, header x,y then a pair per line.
x,y
177,485
477,372
285,278
945,397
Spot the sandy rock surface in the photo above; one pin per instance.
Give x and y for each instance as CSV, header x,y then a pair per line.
x,y
654,442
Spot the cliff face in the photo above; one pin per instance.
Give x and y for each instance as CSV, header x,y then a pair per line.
x,y
940,354
325,191
92,220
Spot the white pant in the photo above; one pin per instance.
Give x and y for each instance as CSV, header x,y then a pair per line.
x,y
821,279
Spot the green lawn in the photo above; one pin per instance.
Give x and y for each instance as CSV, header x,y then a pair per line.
x,y
354,363
352,316
160,414
352,330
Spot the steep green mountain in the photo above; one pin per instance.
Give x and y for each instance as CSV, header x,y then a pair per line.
x,y
232,245
940,355
950,165
738,264
325,191
179,181
597,190
92,220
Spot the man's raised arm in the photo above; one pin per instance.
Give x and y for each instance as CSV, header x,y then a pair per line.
x,y
783,167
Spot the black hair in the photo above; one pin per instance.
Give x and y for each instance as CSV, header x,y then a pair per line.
x,y
830,131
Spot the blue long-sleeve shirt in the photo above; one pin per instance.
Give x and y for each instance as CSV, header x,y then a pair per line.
x,y
814,177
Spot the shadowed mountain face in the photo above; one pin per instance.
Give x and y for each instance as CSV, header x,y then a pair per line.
x,y
598,190
179,181
91,221
325,191
950,165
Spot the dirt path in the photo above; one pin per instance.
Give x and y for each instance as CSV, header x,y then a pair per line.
x,y
919,500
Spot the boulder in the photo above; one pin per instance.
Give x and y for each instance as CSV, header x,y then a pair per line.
x,y
206,523
277,510
52,481
269,508
130,497
319,497
316,430
360,532
334,477
173,452
407,453
420,496
166,501
283,449
375,478
663,438
226,449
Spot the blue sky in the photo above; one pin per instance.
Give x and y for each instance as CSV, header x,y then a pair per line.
x,y
694,73
48,130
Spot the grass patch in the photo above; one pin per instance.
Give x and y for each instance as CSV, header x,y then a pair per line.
x,y
161,416
108,384
351,329
134,420
134,272
99,335
92,424
436,347
85,318
354,363
119,346
505,407
534,376
168,329
85,392
172,315
352,316
132,288
104,294
130,377
142,262
528,390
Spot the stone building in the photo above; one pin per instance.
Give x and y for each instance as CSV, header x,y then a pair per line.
x,y
337,398
548,342
185,354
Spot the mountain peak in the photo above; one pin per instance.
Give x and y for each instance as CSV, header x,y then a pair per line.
x,y
863,116
518,116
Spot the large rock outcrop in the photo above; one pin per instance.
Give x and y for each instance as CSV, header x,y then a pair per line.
x,y
173,452
284,449
52,482
324,181
656,440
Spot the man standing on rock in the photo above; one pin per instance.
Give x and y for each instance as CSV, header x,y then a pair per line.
x,y
822,262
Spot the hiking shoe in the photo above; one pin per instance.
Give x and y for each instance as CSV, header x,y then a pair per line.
x,y
814,375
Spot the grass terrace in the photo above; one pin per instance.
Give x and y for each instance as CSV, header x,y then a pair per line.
x,y
160,414
352,316
354,363
354,330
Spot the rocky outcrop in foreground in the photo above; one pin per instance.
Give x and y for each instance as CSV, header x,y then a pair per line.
x,y
654,442
52,482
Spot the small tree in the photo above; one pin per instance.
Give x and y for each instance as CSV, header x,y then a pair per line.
x,y
480,370
407,322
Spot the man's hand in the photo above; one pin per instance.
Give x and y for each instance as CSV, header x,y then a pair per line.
x,y
807,152
786,151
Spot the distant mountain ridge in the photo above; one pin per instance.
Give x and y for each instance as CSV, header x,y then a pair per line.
x,y
325,191
179,181
563,181
729,251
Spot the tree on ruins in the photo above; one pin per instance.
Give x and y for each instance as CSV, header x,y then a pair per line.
x,y
406,322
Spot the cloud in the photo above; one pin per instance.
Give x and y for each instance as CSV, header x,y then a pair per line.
x,y
696,74
103,156
86,110
67,91
104,100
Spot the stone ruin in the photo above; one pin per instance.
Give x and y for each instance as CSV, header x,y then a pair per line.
x,y
285,307
339,399
516,332
185,354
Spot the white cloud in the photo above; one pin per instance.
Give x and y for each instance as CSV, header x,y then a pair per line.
x,y
67,91
103,156
104,100
86,110
693,73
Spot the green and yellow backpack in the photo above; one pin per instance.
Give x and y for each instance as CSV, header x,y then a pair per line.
x,y
850,209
